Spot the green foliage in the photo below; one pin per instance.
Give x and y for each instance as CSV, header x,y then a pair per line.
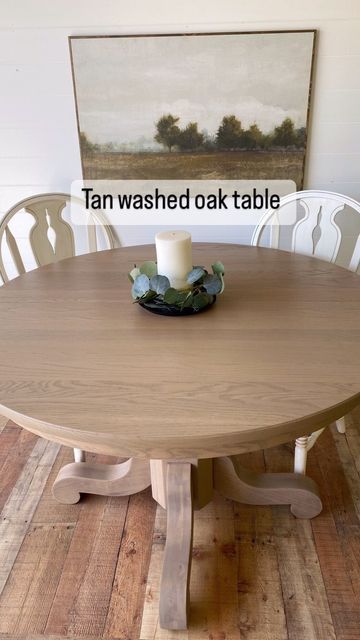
x,y
141,286
149,268
218,268
159,284
190,138
171,296
285,135
196,274
301,137
201,300
212,284
252,138
229,133
148,285
167,131
134,273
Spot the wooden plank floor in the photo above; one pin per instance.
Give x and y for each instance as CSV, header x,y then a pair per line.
x,y
92,570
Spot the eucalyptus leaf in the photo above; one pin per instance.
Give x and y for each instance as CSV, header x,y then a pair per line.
x,y
212,284
182,295
134,273
149,268
141,286
171,296
218,268
220,275
188,302
201,300
196,274
182,298
149,295
160,284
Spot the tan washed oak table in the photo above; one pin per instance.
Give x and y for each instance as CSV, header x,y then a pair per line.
x,y
277,357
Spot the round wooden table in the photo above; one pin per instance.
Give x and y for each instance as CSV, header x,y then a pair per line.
x,y
277,357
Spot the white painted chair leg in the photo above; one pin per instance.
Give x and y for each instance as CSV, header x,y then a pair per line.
x,y
340,425
301,450
79,455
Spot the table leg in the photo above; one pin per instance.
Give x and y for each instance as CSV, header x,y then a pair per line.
x,y
241,485
174,588
121,479
179,486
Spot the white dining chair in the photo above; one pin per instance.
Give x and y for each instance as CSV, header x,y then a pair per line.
x,y
51,235
309,222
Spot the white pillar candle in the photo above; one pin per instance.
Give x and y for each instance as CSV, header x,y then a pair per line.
x,y
174,257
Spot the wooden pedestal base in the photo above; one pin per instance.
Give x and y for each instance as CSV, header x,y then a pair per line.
x,y
181,487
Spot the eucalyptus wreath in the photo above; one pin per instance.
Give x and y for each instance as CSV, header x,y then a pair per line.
x,y
148,286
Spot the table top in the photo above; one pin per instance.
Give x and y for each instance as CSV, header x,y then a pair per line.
x,y
277,356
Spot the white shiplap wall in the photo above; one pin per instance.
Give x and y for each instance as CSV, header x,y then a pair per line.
x,y
39,147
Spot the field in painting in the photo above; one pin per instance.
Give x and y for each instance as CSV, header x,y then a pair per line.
x,y
228,165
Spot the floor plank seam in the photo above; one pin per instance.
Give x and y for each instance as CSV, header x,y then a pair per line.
x,y
46,448
83,506
58,582
116,563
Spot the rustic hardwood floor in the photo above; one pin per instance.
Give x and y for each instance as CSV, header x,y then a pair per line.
x,y
92,570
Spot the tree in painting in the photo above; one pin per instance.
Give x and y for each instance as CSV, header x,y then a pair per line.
x,y
167,131
285,134
190,138
229,133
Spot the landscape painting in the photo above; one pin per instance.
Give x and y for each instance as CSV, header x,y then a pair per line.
x,y
190,107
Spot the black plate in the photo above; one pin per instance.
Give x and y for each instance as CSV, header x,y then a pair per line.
x,y
162,309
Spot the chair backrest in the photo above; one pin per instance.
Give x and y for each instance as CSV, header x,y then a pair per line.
x,y
51,237
316,232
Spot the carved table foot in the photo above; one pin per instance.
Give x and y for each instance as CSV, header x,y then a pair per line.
x,y
121,479
241,485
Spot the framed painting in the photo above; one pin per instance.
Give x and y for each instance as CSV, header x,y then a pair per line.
x,y
195,106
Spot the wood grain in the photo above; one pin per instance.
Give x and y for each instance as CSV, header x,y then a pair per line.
x,y
232,480
11,468
348,450
304,595
126,603
175,578
200,402
261,606
213,580
49,510
122,479
201,476
21,504
46,559
337,533
81,601
150,626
